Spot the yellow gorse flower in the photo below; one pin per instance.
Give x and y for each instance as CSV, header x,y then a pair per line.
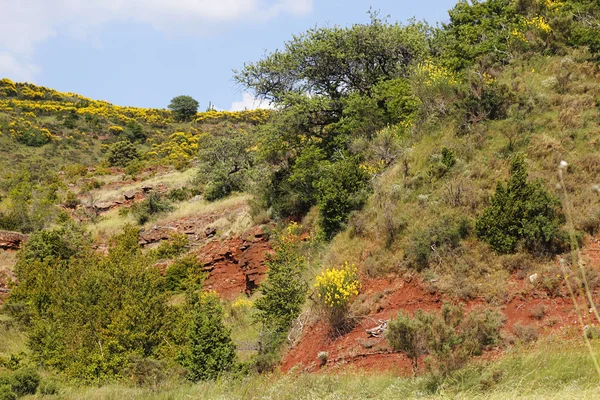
x,y
434,74
337,286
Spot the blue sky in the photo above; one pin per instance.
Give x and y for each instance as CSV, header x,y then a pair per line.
x,y
144,52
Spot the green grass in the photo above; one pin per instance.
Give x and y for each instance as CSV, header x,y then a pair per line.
x,y
12,339
553,370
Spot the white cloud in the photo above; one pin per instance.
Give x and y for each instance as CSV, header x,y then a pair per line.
x,y
27,23
249,102
15,69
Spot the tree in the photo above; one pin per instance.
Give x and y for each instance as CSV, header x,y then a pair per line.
x,y
334,62
521,213
183,108
210,350
332,85
224,163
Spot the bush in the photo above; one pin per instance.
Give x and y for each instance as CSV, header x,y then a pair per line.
x,y
445,234
180,273
6,393
342,189
176,245
154,204
25,381
283,293
210,350
183,108
335,288
72,201
406,334
122,153
449,338
115,130
180,194
522,213
48,388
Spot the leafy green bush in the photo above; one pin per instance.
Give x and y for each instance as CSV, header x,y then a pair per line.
x,y
176,245
521,213
180,194
210,350
184,273
406,334
183,108
25,381
342,189
104,309
122,153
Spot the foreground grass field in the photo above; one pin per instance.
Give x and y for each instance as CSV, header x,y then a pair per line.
x,y
552,370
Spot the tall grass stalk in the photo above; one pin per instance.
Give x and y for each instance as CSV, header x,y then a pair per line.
x,y
576,260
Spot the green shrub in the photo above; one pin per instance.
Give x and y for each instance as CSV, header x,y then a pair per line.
x,y
522,213
283,294
406,334
134,167
6,393
72,201
343,188
25,381
180,194
153,205
219,187
176,245
34,137
210,351
179,273
122,153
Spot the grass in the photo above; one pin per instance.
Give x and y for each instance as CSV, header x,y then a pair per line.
x,y
7,259
12,339
553,370
171,180
112,222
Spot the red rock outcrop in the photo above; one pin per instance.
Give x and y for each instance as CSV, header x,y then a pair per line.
x,y
237,265
12,240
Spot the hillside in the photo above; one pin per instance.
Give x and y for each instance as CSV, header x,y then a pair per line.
x,y
418,215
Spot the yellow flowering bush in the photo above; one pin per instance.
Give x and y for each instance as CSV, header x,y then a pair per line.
x,y
337,286
115,130
434,75
178,150
539,23
8,88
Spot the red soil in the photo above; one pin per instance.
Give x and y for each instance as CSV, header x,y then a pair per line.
x,y
525,306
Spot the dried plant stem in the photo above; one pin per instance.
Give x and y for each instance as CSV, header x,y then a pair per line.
x,y
576,260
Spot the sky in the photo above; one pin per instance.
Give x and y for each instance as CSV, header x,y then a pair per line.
x,y
145,52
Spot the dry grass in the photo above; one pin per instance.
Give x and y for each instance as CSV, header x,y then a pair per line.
x,y
170,180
